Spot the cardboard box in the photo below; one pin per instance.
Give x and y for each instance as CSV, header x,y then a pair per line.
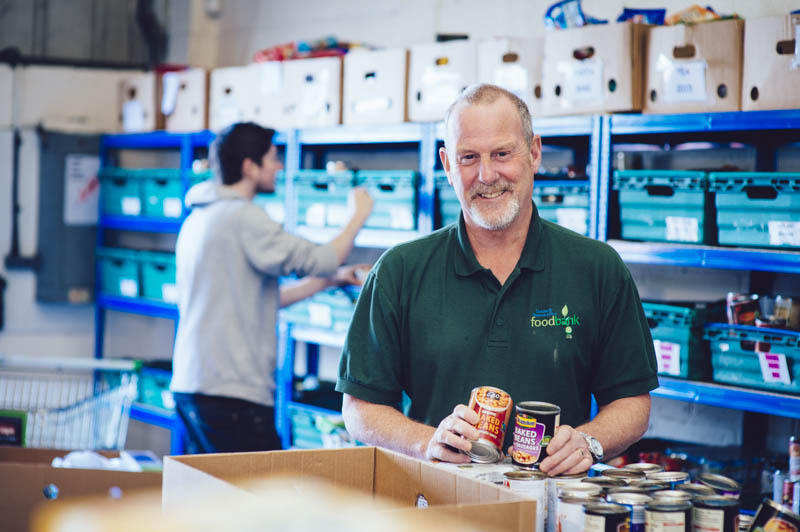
x,y
138,103
6,96
771,65
375,87
694,69
384,475
438,73
184,100
232,96
593,69
314,87
272,103
516,65
68,99
28,477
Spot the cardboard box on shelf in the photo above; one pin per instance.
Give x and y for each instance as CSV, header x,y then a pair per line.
x,y
314,89
68,99
138,103
375,87
272,102
516,65
6,95
399,480
438,73
232,95
694,69
771,64
184,100
593,69
29,480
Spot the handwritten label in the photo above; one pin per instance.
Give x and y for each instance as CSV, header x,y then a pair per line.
x,y
668,357
684,81
683,229
131,206
129,287
774,368
583,82
783,233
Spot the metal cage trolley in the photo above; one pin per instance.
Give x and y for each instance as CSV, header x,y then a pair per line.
x,y
66,403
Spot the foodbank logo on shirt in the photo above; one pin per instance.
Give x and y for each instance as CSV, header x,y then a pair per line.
x,y
549,318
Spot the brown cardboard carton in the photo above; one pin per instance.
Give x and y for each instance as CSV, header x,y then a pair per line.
x,y
27,476
771,68
232,96
375,84
694,69
384,475
138,105
6,95
593,69
184,100
314,89
516,65
438,72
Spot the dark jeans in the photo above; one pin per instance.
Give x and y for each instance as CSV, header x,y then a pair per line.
x,y
223,424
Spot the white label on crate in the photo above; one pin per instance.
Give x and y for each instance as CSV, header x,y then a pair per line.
x,y
81,189
132,206
315,214
665,522
684,81
440,86
275,211
783,233
574,219
774,368
401,218
683,229
337,215
169,293
512,77
319,314
173,207
129,287
132,116
668,356
583,81
167,399
708,520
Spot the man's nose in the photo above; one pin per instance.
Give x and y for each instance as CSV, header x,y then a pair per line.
x,y
487,173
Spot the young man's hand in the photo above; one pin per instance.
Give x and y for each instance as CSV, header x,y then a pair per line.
x,y
351,274
360,204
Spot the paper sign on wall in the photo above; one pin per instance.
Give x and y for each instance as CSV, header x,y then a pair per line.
x,y
684,81
81,189
774,368
668,357
583,80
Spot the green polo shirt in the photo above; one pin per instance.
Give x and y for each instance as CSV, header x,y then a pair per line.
x,y
433,323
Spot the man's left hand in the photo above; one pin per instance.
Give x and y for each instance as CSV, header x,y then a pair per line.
x,y
567,453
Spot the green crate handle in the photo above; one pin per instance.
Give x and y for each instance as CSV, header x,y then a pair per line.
x,y
552,199
761,192
119,181
320,186
386,187
660,190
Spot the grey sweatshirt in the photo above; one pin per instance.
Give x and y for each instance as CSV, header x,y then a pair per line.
x,y
229,256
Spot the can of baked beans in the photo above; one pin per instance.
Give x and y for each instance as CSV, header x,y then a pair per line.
x,y
534,426
532,485
635,502
628,475
672,496
661,515
646,468
570,512
771,516
673,478
493,405
606,517
696,490
715,513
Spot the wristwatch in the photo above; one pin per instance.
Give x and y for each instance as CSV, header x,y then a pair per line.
x,y
595,447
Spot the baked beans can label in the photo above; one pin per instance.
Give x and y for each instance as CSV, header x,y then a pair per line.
x,y
534,426
493,405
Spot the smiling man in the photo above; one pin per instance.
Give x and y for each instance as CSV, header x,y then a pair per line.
x,y
502,298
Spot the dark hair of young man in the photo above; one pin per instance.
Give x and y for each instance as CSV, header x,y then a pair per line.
x,y
236,143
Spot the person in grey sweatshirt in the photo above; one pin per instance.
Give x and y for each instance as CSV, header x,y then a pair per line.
x,y
229,256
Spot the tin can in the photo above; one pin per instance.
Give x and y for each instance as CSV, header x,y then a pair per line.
x,y
794,459
535,425
605,517
715,513
745,522
605,482
635,502
772,517
650,485
646,468
554,486
493,405
696,490
533,485
721,485
668,516
673,478
584,489
672,495
796,498
628,475
788,493
777,484
570,512
628,489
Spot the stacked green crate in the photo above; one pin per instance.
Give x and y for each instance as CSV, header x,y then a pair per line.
x,y
119,271
665,205
274,203
759,358
564,203
305,434
757,208
321,197
328,309
121,192
677,334
395,195
163,192
158,276
448,208
154,388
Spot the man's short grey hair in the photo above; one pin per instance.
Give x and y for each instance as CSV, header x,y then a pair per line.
x,y
484,93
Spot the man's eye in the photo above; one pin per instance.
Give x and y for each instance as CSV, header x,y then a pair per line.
x,y
503,154
468,158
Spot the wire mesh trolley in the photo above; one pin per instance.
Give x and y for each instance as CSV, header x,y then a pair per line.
x,y
68,403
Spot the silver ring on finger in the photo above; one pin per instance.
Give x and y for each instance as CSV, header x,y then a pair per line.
x,y
583,453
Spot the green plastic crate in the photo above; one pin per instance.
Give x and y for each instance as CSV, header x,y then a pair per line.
x,y
154,388
734,358
760,209
448,209
119,271
158,276
274,203
328,309
564,203
677,333
163,192
121,192
305,434
321,197
395,195
665,206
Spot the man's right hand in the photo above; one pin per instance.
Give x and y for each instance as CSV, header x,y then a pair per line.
x,y
455,433
360,204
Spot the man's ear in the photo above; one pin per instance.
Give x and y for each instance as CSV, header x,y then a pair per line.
x,y
248,167
445,163
536,152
